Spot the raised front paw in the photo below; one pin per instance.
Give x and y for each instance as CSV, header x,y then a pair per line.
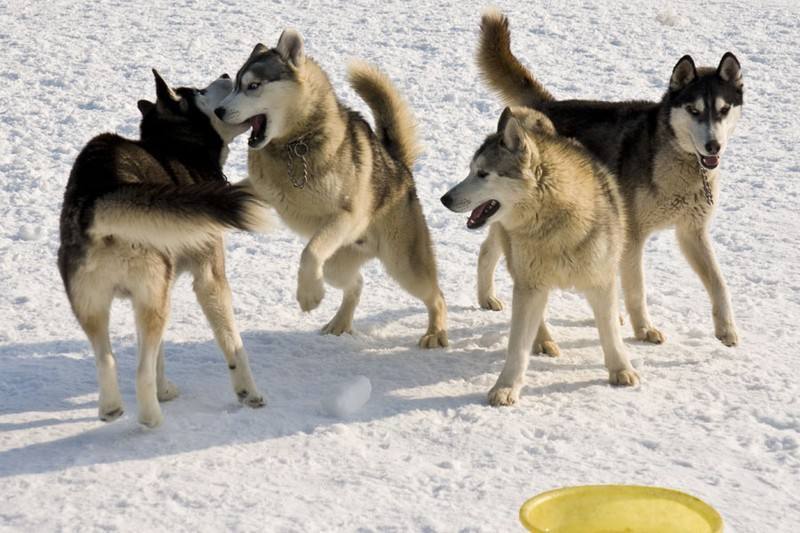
x,y
310,291
650,334
501,395
627,377
434,339
491,302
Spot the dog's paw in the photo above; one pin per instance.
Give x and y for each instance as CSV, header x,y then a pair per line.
x,y
110,413
627,377
547,347
167,391
501,396
151,418
337,326
310,292
251,399
491,302
728,336
435,339
650,334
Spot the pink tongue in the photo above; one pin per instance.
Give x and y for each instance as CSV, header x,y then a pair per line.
x,y
257,122
478,211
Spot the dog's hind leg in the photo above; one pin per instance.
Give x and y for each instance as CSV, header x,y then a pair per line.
x,y
93,317
342,271
544,342
489,256
151,306
166,389
696,246
603,301
632,277
408,257
214,295
527,309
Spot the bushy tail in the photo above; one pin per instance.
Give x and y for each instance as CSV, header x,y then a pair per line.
x,y
394,123
501,69
176,218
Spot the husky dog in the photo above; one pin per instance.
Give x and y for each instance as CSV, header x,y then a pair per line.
x,y
333,180
665,156
561,223
137,213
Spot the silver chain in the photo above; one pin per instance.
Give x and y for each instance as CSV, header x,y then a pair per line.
x,y
298,149
707,187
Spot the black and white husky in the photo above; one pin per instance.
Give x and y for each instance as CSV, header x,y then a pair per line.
x,y
666,157
136,214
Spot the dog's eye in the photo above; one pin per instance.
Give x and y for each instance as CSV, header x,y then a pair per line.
x,y
201,92
692,110
724,110
482,174
253,86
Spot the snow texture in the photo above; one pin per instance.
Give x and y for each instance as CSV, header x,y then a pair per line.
x,y
348,398
426,453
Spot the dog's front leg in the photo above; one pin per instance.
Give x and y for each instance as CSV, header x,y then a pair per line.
x,y
332,236
489,256
632,277
527,308
696,246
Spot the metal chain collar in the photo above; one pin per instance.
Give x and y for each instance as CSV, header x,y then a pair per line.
x,y
706,187
297,148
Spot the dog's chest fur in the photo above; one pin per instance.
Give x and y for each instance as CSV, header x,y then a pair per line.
x,y
677,195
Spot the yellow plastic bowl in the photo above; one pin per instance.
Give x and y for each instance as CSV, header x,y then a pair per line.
x,y
618,509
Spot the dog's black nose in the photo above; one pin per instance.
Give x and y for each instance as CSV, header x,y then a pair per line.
x,y
447,200
712,147
225,76
220,112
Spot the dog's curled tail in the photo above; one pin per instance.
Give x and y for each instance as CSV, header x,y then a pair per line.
x,y
176,218
501,69
394,123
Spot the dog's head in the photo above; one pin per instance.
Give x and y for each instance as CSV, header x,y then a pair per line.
x,y
186,114
503,170
704,107
265,90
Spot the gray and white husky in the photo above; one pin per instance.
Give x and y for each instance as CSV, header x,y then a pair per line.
x,y
135,215
665,155
334,181
556,213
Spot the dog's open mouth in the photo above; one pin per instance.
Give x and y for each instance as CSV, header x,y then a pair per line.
x,y
482,213
259,125
709,162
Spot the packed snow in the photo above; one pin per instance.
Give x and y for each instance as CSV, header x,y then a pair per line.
x,y
426,452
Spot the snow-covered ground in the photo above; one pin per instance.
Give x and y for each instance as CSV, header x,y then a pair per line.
x,y
425,453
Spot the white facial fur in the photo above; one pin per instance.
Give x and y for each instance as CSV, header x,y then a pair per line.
x,y
272,99
692,133
209,99
475,190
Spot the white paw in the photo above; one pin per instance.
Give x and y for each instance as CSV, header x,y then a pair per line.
x,y
501,396
650,334
491,302
627,377
435,339
252,398
547,347
310,291
151,417
728,336
337,326
110,413
167,391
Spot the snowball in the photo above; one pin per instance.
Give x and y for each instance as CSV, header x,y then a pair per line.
x,y
348,398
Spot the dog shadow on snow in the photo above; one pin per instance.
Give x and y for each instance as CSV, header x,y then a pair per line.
x,y
296,371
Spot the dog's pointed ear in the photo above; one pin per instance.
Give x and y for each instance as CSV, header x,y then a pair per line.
x,y
513,133
290,47
166,99
145,106
259,49
730,70
504,116
683,74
